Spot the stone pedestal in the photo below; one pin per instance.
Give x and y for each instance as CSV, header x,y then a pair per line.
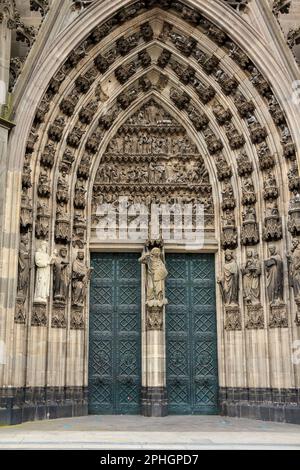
x,y
154,394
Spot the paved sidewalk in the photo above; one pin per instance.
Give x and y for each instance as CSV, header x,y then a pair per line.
x,y
137,432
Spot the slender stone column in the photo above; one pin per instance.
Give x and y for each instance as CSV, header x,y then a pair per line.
x,y
154,392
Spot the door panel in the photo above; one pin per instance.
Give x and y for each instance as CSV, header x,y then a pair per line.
x,y
115,334
192,373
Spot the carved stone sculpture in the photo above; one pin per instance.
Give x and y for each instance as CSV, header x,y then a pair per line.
x,y
294,274
229,283
156,274
249,231
251,278
61,277
80,278
42,281
23,267
274,275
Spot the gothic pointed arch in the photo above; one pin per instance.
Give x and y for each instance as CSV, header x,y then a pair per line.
x,y
157,102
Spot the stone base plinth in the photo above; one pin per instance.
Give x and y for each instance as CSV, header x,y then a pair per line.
x,y
266,404
154,402
19,405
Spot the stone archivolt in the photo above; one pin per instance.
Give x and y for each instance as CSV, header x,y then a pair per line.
x,y
206,86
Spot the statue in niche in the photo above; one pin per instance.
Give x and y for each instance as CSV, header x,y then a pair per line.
x,y
23,267
294,268
60,275
229,284
274,274
80,277
251,278
156,274
43,263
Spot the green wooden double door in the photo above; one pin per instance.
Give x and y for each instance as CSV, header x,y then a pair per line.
x,y
115,334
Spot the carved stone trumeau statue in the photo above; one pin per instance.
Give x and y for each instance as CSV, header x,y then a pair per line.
x,y
274,274
251,278
156,274
229,284
42,281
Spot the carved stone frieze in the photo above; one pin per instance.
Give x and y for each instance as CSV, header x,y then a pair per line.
x,y
150,160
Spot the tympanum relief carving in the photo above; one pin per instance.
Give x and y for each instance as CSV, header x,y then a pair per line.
x,y
151,160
